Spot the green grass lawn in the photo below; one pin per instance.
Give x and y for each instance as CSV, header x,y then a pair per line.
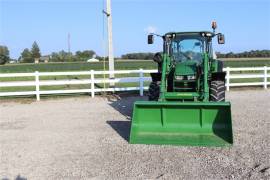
x,y
76,66
119,65
247,63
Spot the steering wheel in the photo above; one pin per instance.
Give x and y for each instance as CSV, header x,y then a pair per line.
x,y
187,56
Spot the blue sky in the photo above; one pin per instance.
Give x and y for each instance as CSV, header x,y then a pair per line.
x,y
245,23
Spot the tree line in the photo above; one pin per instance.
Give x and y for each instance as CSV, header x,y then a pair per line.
x,y
28,55
141,55
63,56
245,54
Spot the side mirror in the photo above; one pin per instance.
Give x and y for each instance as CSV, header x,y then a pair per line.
x,y
150,39
221,39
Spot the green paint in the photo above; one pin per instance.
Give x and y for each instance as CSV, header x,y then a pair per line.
x,y
186,68
189,123
163,87
182,95
205,78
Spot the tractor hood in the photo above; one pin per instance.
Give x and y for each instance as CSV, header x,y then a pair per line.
x,y
186,68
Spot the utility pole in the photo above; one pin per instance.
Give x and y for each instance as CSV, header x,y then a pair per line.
x,y
110,40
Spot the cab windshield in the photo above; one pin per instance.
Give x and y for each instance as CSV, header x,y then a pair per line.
x,y
187,47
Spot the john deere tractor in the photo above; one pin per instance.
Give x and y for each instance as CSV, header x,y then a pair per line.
x,y
186,96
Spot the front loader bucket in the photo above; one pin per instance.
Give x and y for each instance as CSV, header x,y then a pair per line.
x,y
182,123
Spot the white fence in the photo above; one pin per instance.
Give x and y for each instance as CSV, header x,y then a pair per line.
x,y
258,72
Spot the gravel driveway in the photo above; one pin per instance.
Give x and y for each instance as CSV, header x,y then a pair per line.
x,y
83,138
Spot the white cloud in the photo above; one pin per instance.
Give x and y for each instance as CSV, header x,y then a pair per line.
x,y
150,29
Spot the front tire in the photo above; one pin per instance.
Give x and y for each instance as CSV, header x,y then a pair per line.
x,y
217,91
153,91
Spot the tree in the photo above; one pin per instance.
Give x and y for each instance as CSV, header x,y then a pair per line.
x,y
26,56
4,54
62,56
245,54
55,57
84,55
4,50
146,55
35,51
3,59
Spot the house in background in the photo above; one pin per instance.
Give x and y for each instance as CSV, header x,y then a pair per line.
x,y
44,59
36,60
93,59
12,61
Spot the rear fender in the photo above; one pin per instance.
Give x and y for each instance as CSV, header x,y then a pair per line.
x,y
218,76
155,77
216,66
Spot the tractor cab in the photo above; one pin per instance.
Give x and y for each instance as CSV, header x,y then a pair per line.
x,y
185,68
187,47
186,50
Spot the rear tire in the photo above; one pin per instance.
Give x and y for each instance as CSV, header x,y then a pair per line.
x,y
153,91
217,91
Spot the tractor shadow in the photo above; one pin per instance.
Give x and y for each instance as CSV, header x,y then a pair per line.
x,y
123,103
121,127
18,177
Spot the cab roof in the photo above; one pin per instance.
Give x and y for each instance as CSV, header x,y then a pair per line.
x,y
190,32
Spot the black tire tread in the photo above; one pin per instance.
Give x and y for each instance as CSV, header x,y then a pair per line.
x,y
217,91
153,91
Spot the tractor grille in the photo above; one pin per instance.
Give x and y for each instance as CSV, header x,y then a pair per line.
x,y
185,86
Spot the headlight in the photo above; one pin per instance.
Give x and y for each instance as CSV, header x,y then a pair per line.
x,y
191,77
179,77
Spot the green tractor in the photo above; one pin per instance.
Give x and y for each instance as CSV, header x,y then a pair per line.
x,y
186,96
